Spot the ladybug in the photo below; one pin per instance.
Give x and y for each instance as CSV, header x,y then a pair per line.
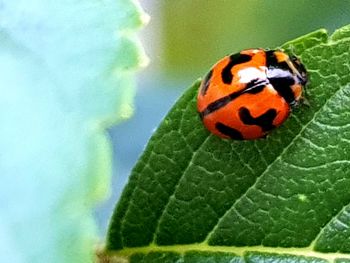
x,y
247,94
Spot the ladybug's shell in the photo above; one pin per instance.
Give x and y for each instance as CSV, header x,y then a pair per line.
x,y
256,105
238,100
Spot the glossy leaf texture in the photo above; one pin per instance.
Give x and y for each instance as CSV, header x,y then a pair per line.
x,y
193,197
67,72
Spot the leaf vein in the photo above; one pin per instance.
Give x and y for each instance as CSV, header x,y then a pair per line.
x,y
313,243
176,187
320,166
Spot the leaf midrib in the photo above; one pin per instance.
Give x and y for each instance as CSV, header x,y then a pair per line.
x,y
238,251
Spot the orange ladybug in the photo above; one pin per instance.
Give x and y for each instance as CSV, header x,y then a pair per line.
x,y
247,94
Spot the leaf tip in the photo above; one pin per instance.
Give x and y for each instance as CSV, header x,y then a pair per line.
x,y
343,32
307,41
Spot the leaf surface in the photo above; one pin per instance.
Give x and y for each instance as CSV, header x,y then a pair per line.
x,y
280,199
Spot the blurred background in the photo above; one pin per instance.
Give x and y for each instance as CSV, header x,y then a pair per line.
x,y
183,40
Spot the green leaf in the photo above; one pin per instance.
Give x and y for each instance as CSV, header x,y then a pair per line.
x,y
67,71
280,199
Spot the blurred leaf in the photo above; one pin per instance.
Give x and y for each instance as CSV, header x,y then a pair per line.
x,y
67,71
192,192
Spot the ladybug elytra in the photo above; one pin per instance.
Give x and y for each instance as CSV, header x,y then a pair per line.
x,y
247,94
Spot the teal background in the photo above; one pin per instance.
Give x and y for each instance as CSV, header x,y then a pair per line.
x,y
67,73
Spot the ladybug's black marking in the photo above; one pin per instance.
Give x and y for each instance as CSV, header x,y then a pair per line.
x,y
264,120
228,131
271,60
301,69
206,83
283,85
219,103
255,86
272,63
235,59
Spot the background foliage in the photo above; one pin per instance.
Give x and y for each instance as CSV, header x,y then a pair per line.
x,y
67,72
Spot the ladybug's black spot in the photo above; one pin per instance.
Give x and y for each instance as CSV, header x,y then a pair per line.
x,y
271,60
228,131
235,59
206,82
264,121
282,84
214,106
